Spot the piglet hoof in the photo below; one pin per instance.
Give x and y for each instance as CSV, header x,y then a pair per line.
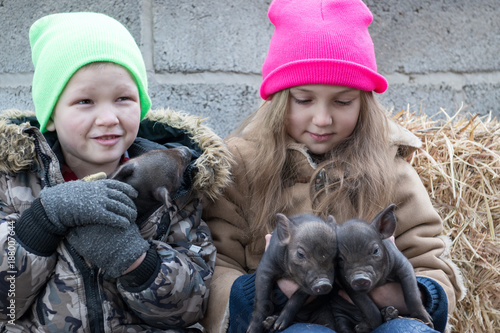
x,y
268,323
362,328
255,328
282,322
424,317
389,313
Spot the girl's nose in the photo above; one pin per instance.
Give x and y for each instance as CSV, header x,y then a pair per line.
x,y
322,117
107,116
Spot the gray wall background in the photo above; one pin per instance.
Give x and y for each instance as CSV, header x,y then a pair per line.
x,y
204,56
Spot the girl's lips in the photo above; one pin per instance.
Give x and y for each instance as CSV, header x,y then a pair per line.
x,y
107,140
320,137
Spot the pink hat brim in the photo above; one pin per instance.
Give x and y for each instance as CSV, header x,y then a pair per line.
x,y
322,71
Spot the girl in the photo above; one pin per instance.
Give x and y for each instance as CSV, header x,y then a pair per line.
x,y
321,144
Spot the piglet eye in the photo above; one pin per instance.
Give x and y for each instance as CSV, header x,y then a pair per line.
x,y
301,254
376,251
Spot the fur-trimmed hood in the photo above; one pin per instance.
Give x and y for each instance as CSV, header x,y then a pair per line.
x,y
402,138
17,147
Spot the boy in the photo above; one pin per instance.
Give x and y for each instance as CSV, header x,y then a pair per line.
x,y
91,105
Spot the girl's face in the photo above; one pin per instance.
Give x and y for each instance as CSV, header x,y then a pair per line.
x,y
321,116
97,118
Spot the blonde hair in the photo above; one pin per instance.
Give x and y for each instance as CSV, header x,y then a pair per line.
x,y
362,163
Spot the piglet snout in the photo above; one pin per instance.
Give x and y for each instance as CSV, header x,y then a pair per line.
x,y
321,286
361,282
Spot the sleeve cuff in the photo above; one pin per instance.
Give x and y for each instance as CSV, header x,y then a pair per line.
x,y
141,277
244,286
35,232
430,293
247,286
435,301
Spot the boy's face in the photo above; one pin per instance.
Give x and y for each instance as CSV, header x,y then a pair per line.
x,y
97,118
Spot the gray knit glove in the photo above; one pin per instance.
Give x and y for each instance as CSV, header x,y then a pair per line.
x,y
78,203
111,249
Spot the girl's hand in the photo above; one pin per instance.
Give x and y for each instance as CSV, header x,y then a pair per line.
x,y
268,239
389,294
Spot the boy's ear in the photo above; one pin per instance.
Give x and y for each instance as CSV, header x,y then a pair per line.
x,y
51,127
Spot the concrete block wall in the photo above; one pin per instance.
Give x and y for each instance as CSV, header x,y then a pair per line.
x,y
204,56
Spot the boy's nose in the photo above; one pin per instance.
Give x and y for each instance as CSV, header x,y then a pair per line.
x,y
107,117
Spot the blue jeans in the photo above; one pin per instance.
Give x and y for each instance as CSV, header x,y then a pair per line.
x,y
400,325
242,299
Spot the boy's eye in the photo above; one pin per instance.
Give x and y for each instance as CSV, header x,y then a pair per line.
x,y
85,101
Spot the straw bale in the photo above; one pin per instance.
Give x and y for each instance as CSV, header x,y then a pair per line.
x,y
459,163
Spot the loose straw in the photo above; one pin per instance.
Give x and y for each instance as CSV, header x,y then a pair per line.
x,y
459,163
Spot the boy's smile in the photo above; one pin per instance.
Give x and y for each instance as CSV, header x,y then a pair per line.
x,y
97,118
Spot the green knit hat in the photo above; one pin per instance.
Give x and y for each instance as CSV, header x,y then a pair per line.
x,y
63,43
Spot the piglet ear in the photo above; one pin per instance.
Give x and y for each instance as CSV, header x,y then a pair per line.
x,y
123,172
283,228
161,194
385,222
332,222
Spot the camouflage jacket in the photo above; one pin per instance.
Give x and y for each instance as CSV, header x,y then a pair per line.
x,y
62,292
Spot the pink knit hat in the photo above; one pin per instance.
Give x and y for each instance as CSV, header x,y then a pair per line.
x,y
320,42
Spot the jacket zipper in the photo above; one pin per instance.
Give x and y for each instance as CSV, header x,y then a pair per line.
x,y
94,309
92,295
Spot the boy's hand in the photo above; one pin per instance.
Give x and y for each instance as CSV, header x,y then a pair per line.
x,y
111,249
79,203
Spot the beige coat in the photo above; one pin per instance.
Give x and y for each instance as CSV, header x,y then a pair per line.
x,y
419,234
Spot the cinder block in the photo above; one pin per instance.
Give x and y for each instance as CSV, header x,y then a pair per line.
x,y
195,36
16,98
16,17
436,36
224,106
483,98
428,99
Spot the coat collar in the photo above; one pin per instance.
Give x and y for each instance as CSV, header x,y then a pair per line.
x,y
403,141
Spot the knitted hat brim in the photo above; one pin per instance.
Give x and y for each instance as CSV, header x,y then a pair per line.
x,y
322,71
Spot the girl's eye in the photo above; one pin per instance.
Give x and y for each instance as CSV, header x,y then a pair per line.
x,y
343,102
301,101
